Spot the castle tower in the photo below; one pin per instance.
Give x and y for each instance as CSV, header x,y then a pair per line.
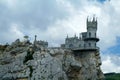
x,y
87,40
91,27
91,37
35,40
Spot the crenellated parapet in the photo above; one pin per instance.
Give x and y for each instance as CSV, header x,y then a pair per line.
x,y
91,23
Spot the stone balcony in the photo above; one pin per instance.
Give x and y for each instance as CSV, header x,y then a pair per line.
x,y
87,48
91,38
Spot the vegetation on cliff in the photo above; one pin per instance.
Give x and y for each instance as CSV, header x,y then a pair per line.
x,y
112,76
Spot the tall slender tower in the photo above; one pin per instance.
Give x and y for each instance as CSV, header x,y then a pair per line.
x,y
35,40
91,38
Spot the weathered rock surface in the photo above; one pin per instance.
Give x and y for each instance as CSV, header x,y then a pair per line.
x,y
23,62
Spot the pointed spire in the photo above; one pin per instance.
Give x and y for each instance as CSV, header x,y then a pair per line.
x,y
67,35
35,40
87,19
75,35
93,18
35,37
96,21
80,36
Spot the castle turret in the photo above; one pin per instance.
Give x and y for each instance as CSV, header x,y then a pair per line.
x,y
92,28
35,40
91,37
87,40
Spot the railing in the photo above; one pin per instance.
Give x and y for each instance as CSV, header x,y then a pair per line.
x,y
93,38
78,48
86,48
54,47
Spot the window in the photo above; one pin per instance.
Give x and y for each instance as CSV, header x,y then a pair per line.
x,y
89,44
95,44
95,34
89,34
84,45
79,45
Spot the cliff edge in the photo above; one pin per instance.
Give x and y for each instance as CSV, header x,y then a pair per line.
x,y
26,61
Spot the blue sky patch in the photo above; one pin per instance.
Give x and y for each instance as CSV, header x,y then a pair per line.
x,y
115,49
102,1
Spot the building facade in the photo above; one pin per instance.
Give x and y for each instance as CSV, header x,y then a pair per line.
x,y
86,40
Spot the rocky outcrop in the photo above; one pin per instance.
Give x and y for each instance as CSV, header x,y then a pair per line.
x,y
26,62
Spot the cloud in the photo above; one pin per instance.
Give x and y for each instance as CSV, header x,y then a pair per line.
x,y
110,63
34,16
14,30
108,17
52,20
108,29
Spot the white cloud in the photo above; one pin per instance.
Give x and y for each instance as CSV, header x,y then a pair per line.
x,y
108,28
15,32
108,20
10,3
110,63
53,20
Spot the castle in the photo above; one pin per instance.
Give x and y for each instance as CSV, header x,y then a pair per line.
x,y
86,40
77,59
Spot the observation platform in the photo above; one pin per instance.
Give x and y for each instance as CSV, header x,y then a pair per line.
x,y
91,38
87,48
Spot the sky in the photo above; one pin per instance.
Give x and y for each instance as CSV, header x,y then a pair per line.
x,y
53,20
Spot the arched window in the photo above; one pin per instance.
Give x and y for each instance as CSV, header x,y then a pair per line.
x,y
89,44
95,44
84,45
79,45
95,34
89,34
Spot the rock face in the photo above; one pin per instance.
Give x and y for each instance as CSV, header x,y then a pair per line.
x,y
27,62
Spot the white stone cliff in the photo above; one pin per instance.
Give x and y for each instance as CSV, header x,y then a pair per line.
x,y
24,61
